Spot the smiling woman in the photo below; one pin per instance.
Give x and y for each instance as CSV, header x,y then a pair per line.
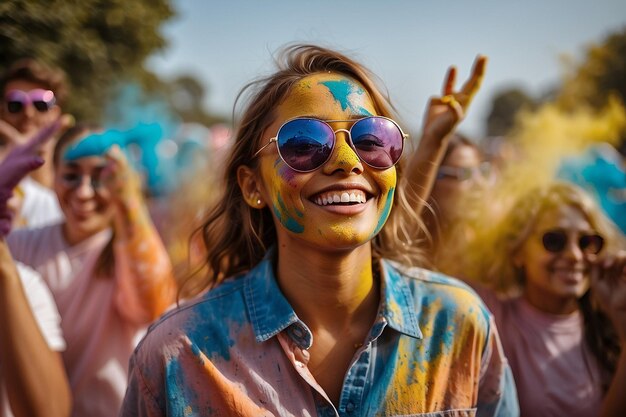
x,y
306,311
561,268
106,266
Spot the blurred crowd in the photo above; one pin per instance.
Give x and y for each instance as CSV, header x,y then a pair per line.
x,y
97,242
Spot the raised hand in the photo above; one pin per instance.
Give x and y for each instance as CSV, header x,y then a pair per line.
x,y
444,113
122,181
22,159
608,282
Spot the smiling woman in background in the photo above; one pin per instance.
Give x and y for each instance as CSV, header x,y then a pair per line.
x,y
105,265
560,268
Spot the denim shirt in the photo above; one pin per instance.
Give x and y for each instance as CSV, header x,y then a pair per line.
x,y
240,349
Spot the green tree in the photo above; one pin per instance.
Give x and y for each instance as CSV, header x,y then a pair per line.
x,y
99,43
602,72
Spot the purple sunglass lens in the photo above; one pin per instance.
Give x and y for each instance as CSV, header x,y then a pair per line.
x,y
378,141
305,144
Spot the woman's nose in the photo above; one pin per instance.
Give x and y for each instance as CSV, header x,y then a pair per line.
x,y
572,249
343,158
85,188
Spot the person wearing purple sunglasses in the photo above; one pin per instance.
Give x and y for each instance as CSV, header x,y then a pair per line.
x,y
309,302
31,96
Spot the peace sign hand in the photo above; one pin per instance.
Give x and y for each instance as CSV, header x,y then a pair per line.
x,y
444,113
22,159
25,157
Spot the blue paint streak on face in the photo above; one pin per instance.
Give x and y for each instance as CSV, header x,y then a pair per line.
x,y
386,210
285,219
342,90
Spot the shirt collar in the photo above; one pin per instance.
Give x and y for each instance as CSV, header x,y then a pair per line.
x,y
270,312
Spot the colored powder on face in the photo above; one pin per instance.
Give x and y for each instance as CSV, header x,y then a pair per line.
x,y
95,145
384,215
285,218
343,91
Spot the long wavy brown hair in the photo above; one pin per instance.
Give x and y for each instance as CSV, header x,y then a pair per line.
x,y
236,237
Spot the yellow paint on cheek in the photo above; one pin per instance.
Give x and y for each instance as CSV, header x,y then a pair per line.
x,y
283,189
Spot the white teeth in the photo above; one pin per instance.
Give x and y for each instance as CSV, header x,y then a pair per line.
x,y
341,197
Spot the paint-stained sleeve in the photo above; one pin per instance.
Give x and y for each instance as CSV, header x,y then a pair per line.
x,y
139,400
497,395
146,286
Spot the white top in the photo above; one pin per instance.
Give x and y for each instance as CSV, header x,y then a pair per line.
x,y
47,317
40,206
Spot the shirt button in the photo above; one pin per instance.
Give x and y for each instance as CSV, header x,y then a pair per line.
x,y
350,407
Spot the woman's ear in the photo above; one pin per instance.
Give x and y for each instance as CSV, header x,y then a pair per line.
x,y
250,185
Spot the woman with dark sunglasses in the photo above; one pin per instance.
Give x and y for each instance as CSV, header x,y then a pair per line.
x,y
308,306
556,271
105,264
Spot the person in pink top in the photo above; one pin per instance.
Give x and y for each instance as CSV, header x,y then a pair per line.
x,y
105,265
558,294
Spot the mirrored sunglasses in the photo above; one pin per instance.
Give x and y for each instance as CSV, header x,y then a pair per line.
x,y
17,100
555,241
305,143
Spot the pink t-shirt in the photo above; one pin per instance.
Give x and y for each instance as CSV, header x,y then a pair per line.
x,y
555,372
103,317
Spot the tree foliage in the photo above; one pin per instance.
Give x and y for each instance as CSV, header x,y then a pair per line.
x,y
97,42
600,75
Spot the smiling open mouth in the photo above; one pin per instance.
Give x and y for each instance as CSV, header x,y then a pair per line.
x,y
351,197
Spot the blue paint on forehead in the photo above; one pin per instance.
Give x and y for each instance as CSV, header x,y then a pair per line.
x,y
341,91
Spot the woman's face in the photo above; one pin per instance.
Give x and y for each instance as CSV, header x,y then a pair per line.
x,y
302,203
28,120
85,201
556,278
449,187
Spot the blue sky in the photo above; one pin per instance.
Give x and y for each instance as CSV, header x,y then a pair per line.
x,y
408,44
